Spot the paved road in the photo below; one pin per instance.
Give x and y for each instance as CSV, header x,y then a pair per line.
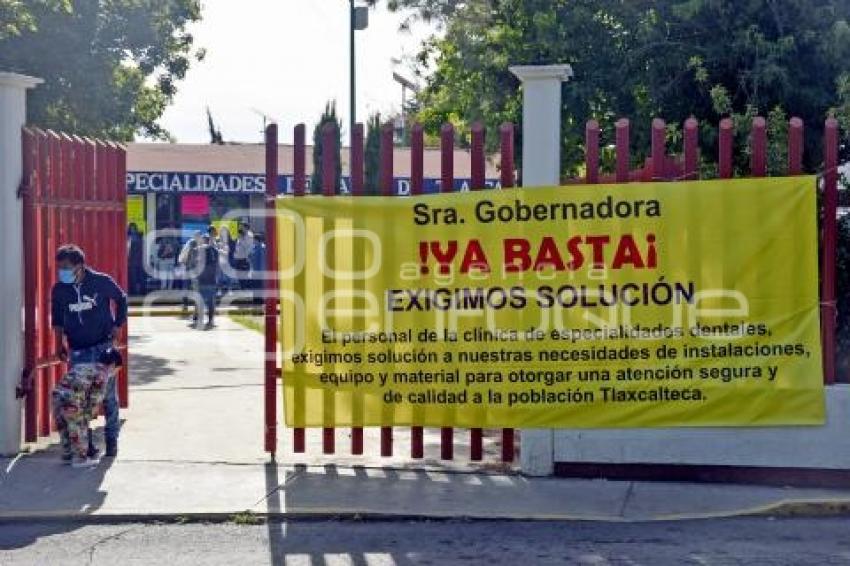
x,y
750,541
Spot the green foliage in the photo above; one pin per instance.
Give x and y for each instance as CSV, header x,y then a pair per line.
x,y
329,116
110,67
843,294
372,154
16,16
640,59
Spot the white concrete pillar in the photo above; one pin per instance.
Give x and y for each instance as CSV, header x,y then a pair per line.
x,y
13,91
541,167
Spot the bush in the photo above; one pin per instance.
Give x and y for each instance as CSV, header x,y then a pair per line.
x,y
843,296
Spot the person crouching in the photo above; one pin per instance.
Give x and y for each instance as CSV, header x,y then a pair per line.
x,y
76,400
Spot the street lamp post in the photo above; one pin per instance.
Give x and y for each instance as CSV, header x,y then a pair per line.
x,y
359,21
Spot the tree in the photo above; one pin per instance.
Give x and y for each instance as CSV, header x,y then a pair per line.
x,y
329,116
215,132
16,16
372,154
110,68
843,295
639,59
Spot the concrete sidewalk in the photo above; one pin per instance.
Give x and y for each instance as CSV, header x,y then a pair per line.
x,y
191,446
37,487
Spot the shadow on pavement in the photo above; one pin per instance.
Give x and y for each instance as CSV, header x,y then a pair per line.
x,y
145,369
29,487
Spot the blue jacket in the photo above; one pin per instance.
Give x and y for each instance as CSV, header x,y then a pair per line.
x,y
84,310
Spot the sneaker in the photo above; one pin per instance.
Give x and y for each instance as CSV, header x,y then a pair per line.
x,y
66,458
111,449
79,462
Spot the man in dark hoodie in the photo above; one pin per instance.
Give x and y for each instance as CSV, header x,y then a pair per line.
x,y
87,310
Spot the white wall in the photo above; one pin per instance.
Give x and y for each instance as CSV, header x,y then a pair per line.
x,y
825,446
12,117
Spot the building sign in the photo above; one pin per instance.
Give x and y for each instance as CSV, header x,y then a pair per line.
x,y
251,183
641,305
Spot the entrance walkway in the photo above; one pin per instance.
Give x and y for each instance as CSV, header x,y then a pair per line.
x,y
198,396
191,445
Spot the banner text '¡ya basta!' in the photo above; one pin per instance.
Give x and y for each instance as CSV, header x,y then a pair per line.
x,y
521,254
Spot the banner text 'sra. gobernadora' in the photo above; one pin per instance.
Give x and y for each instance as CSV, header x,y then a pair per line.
x,y
641,305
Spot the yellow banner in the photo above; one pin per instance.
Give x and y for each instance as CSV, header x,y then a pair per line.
x,y
641,305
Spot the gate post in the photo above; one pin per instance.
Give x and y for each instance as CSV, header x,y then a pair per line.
x,y
13,91
541,167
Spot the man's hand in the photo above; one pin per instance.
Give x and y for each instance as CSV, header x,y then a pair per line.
x,y
59,344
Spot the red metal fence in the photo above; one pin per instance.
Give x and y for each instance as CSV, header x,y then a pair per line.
x,y
659,166
74,192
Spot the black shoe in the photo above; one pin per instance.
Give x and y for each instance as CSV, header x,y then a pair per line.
x,y
67,457
93,452
111,449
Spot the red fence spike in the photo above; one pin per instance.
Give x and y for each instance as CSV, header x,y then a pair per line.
x,y
447,140
417,181
29,147
591,152
447,158
417,159
795,146
299,436
357,157
477,161
329,160
386,182
724,148
830,210
270,303
659,149
386,169
357,182
691,149
758,141
477,156
622,148
299,175
329,142
506,142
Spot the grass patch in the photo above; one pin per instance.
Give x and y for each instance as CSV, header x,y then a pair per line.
x,y
246,518
250,321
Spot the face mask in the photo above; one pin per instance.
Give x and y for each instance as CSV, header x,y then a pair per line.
x,y
67,276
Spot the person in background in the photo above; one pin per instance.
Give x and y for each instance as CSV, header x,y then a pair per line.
x,y
166,259
135,258
85,326
76,399
225,258
186,260
207,267
242,256
258,266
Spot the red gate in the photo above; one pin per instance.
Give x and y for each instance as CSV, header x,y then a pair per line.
x,y
659,166
74,192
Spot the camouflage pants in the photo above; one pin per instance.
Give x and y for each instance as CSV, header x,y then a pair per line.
x,y
76,399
